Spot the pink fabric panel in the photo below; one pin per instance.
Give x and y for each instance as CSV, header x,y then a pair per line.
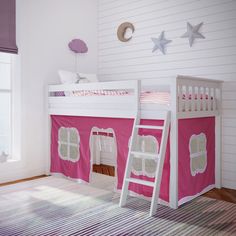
x,y
122,129
81,169
189,185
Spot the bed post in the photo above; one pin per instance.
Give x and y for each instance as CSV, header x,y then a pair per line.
x,y
218,141
174,146
48,138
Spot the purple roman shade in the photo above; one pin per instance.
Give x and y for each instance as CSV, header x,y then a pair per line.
x,y
8,26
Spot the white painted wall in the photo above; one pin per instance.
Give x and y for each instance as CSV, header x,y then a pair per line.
x,y
44,29
213,57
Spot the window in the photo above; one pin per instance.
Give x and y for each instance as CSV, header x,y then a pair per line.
x,y
5,104
68,144
145,167
198,153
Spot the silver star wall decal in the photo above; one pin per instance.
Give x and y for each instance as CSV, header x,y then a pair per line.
x,y
160,43
193,33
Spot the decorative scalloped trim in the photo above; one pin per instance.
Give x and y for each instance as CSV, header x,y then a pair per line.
x,y
68,143
189,198
194,156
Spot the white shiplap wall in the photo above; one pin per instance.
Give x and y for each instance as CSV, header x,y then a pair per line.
x,y
213,57
229,135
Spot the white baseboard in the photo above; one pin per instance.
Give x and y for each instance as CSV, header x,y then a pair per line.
x,y
20,173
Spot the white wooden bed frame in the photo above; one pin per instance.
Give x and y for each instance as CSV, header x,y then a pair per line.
x,y
127,106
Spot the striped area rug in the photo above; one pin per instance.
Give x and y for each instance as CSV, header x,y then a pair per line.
x,y
57,206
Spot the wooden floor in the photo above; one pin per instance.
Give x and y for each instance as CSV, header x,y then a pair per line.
x,y
224,194
104,169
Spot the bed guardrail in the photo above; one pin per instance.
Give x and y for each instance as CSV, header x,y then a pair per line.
x,y
196,95
190,98
88,99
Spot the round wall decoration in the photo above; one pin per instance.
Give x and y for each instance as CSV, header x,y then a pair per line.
x,y
122,31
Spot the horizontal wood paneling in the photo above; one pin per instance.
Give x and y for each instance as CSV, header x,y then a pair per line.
x,y
213,57
229,134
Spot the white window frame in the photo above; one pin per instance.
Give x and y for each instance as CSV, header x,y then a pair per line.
x,y
16,108
15,116
8,91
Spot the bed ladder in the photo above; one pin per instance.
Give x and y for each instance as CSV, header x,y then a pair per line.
x,y
145,155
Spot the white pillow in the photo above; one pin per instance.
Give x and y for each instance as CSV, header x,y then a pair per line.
x,y
87,78
68,77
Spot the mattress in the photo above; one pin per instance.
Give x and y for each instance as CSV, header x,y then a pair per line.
x,y
145,97
153,97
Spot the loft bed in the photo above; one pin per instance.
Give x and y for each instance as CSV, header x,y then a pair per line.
x,y
109,108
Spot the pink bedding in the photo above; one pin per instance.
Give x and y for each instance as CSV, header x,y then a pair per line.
x,y
155,97
146,96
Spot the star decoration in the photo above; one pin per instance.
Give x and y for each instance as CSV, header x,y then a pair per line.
x,y
192,33
160,42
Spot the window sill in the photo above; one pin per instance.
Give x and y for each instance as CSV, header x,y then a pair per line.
x,y
11,163
10,159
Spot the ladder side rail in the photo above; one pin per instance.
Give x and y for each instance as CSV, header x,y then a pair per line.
x,y
162,153
128,168
129,161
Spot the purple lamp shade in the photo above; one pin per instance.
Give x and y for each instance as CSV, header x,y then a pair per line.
x,y
78,46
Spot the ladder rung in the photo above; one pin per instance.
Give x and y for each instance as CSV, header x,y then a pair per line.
x,y
146,155
149,127
140,181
